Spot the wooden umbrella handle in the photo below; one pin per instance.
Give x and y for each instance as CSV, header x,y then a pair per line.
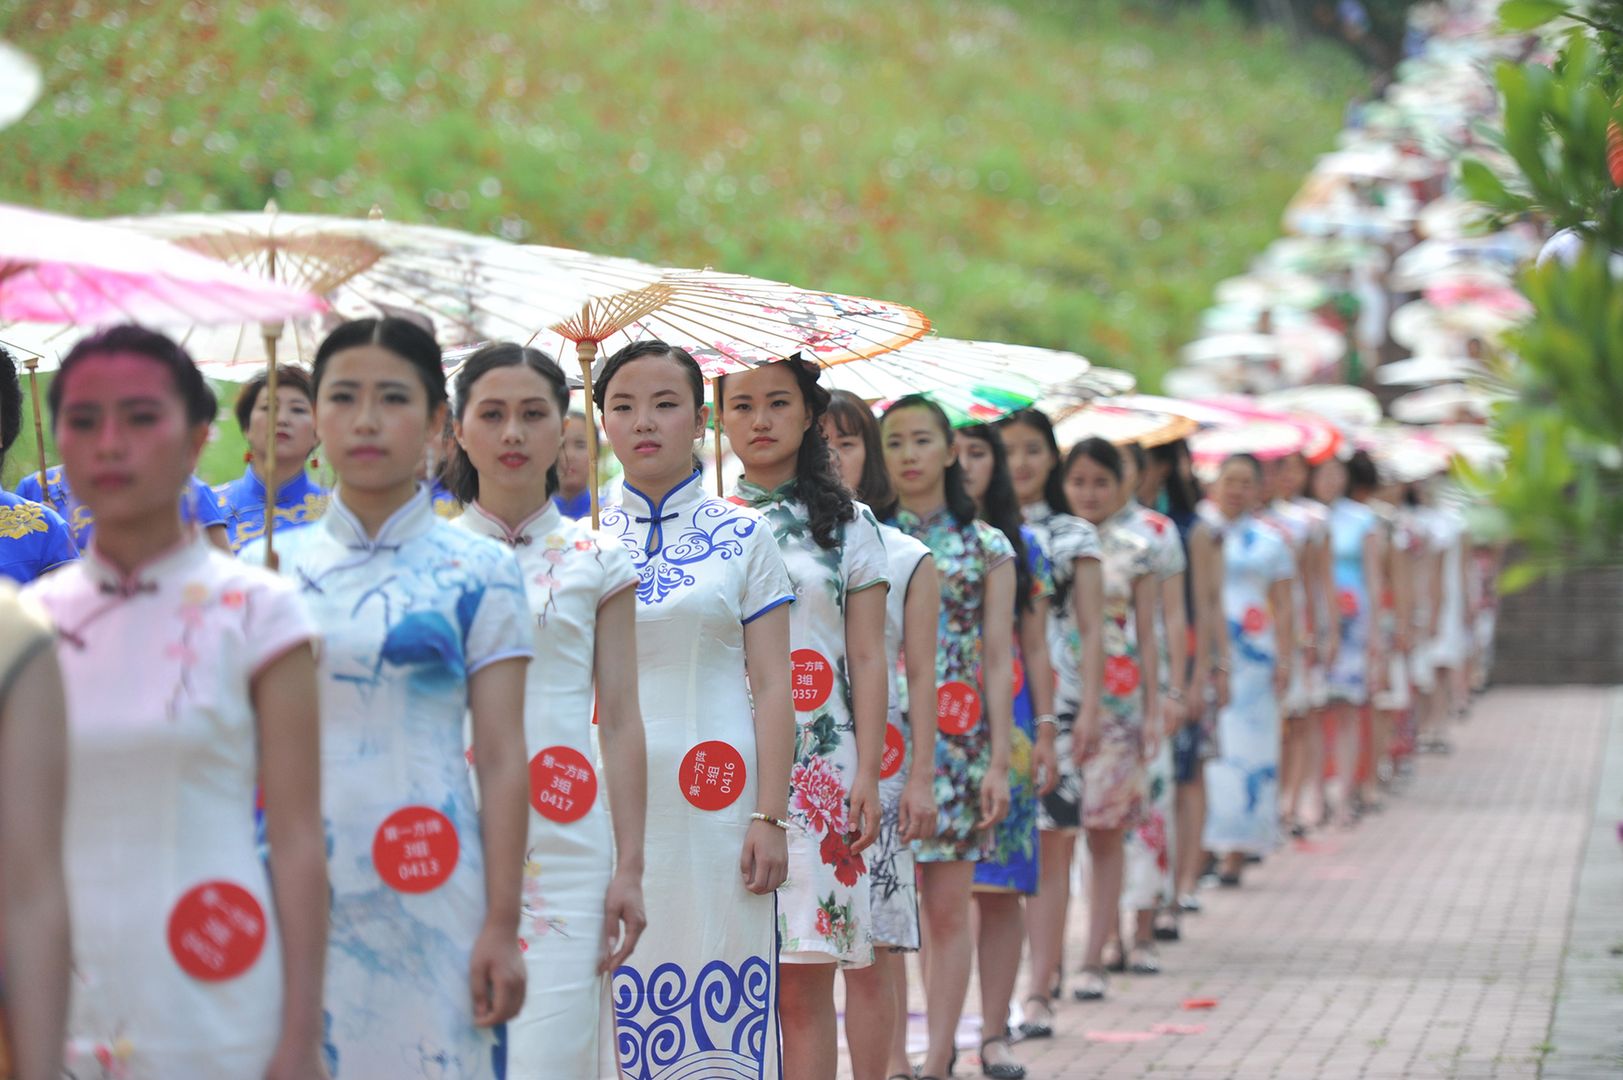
x,y
586,352
32,364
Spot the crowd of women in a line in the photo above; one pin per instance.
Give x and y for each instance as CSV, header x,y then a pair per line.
x,y
488,792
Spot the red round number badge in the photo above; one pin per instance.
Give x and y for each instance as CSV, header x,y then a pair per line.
x,y
563,784
216,931
415,849
712,775
957,707
890,762
813,679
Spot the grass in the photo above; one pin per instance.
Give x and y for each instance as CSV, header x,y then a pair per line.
x,y
1073,174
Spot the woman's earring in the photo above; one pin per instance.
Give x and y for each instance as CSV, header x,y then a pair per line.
x,y
248,457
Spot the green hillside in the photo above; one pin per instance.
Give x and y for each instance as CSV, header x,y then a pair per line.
x,y
1071,174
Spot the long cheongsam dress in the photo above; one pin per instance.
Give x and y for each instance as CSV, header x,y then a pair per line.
x,y
1242,781
407,617
1350,523
823,911
1010,865
964,556
566,1027
893,894
1148,883
1114,792
1066,539
177,960
699,996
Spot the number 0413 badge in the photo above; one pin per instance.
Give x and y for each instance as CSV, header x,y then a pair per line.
x,y
415,849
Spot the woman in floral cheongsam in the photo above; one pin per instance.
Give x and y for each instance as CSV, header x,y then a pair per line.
x,y
1113,776
974,673
1008,871
835,557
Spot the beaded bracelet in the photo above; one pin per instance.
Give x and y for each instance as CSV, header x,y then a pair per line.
x,y
770,820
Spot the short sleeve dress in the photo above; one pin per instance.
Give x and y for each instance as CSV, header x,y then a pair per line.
x,y
1066,539
176,956
242,503
699,996
1147,881
823,911
566,1027
1242,782
964,556
33,539
893,892
1010,865
407,617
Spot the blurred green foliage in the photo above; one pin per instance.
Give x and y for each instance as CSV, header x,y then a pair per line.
x,y
1562,488
1060,174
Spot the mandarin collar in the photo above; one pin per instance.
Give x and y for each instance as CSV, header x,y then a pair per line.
x,y
907,519
1038,511
544,521
412,520
193,548
757,496
294,490
645,511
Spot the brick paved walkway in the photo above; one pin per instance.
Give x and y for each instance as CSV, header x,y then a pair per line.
x,y
1427,942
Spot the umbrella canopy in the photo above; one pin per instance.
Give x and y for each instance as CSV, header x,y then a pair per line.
x,y
1320,439
1349,407
1121,426
1421,325
61,270
1262,437
1446,403
20,84
944,364
1427,369
1265,289
466,287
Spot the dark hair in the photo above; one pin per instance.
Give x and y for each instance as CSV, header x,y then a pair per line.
x,y
11,402
286,375
459,475
1243,458
852,416
1362,475
1054,484
194,391
1100,451
1000,508
403,337
959,504
648,347
1140,458
1183,490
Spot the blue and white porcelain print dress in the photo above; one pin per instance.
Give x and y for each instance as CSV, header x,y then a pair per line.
x,y
566,1026
698,999
1242,782
406,617
177,962
1350,524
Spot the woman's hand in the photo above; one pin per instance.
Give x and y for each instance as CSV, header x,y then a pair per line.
x,y
624,918
1045,760
1085,736
864,813
916,819
1282,677
764,862
1173,714
994,796
296,1061
496,976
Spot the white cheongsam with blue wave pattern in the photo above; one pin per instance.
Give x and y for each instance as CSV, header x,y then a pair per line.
x,y
698,999
405,617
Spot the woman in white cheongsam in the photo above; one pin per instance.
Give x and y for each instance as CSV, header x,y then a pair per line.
x,y
583,906
876,996
189,684
421,624
698,997
836,562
